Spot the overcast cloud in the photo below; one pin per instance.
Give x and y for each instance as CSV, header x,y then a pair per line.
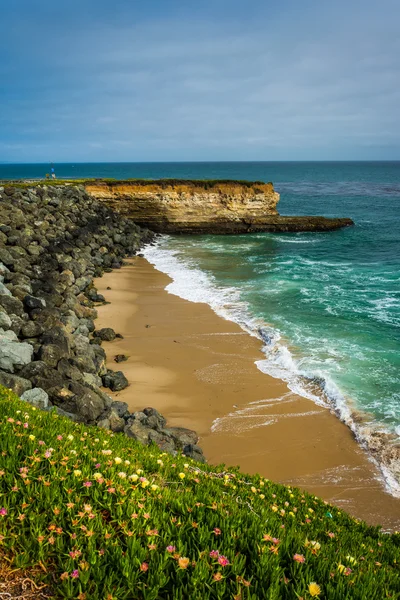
x,y
207,80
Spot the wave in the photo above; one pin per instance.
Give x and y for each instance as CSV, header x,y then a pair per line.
x,y
191,283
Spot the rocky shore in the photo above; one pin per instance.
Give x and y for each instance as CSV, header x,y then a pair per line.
x,y
54,240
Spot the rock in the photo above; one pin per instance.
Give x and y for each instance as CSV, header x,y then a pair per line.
x,y
121,408
41,375
31,302
154,419
120,358
91,380
115,381
18,385
89,406
69,371
37,397
14,354
116,422
12,306
103,424
195,452
31,329
182,436
137,431
106,334
164,442
5,321
4,290
51,354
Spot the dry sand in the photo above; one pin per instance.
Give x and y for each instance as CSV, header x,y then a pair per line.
x,y
196,368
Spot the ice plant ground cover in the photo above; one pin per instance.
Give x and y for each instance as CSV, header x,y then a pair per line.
x,y
106,518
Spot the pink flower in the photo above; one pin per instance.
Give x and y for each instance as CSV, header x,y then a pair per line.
x,y
111,490
26,425
275,540
223,561
299,558
41,443
97,465
59,437
47,454
217,531
214,554
87,484
3,511
170,548
331,535
144,566
75,574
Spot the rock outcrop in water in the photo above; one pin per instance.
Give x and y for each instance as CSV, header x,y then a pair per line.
x,y
179,206
54,240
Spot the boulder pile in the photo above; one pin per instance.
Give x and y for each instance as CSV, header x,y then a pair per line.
x,y
54,240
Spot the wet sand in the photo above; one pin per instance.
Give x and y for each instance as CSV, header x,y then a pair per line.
x,y
197,368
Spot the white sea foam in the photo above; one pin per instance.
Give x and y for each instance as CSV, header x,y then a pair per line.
x,y
193,284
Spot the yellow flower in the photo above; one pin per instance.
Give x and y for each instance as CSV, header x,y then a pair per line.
x,y
32,437
341,568
145,483
262,496
182,475
314,589
154,487
274,508
351,560
70,437
97,476
117,460
139,471
183,562
134,477
77,473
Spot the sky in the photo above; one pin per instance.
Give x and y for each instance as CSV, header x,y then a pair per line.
x,y
169,80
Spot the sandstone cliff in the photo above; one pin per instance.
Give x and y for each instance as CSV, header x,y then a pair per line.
x,y
179,206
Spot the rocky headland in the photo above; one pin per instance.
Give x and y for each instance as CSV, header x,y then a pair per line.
x,y
54,240
216,207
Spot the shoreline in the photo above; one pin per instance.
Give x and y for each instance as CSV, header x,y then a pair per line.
x,y
197,368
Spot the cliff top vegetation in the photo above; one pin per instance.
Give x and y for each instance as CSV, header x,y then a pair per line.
x,y
206,183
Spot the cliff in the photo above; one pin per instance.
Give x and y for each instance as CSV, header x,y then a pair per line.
x,y
180,206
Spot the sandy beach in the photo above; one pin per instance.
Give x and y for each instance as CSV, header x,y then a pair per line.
x,y
199,371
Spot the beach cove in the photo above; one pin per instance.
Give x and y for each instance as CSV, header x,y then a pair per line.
x,y
196,368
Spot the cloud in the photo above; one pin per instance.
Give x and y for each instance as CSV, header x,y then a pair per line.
x,y
257,83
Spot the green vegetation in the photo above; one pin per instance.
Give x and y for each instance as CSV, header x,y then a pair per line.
x,y
109,519
205,183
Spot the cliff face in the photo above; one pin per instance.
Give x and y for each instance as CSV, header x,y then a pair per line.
x,y
179,206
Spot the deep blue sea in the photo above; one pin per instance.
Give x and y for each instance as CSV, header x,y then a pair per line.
x,y
328,303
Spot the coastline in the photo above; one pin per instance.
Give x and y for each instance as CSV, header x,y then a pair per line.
x,y
194,367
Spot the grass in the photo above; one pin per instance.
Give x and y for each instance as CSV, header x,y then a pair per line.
x,y
206,183
94,515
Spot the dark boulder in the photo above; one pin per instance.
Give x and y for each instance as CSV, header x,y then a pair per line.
x,y
115,381
32,302
106,334
17,384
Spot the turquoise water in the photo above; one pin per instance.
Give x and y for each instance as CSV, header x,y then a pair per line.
x,y
328,303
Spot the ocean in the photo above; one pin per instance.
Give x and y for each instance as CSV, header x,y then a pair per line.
x,y
326,305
